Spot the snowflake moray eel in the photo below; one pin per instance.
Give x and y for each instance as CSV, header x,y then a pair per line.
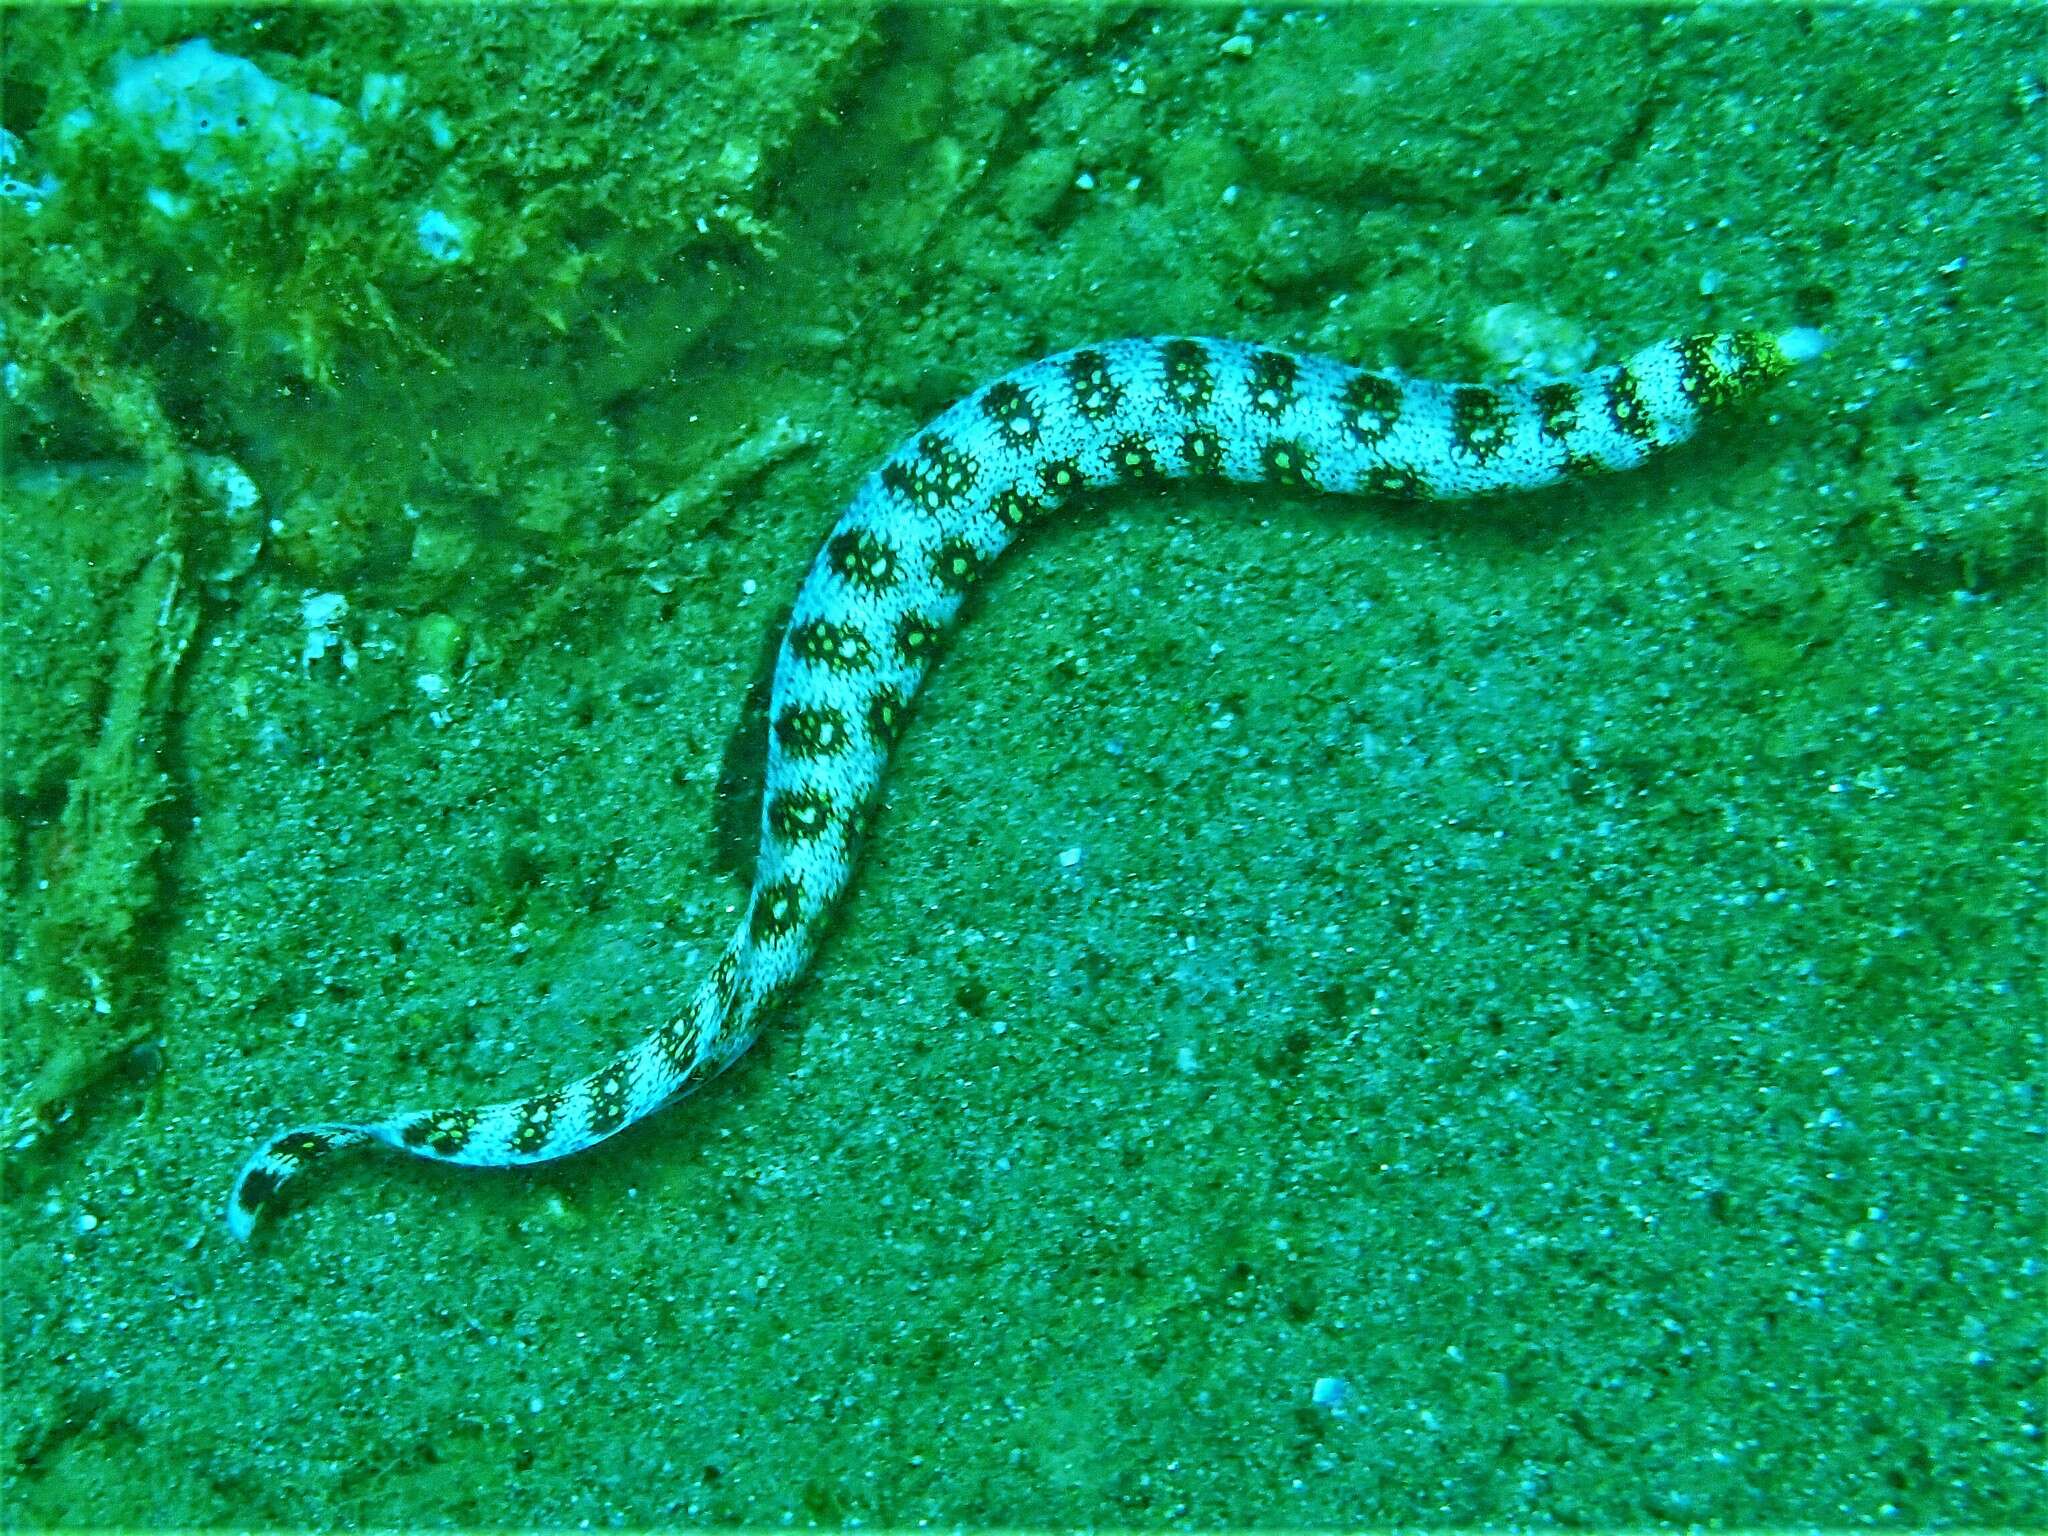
x,y
928,525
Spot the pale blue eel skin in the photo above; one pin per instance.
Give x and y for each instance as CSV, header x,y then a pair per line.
x,y
927,527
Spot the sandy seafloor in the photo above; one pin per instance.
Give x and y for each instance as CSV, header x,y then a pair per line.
x,y
1564,974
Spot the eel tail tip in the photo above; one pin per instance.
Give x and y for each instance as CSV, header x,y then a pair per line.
x,y
279,1160
253,1190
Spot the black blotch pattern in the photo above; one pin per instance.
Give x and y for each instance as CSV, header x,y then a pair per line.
x,y
1013,508
797,815
1190,376
725,986
1096,394
1757,359
1396,483
837,647
301,1146
1625,407
933,476
917,637
608,1100
863,559
1557,410
1201,453
677,1042
1273,383
1058,479
810,730
1372,407
256,1189
1285,462
1479,421
1698,375
885,709
1133,460
445,1132
956,565
1012,412
777,909
535,1125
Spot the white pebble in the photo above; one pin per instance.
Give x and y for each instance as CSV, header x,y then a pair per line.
x,y
322,610
439,236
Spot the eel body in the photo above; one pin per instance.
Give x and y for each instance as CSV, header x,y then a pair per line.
x,y
927,526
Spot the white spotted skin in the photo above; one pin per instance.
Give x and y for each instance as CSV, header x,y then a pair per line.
x,y
927,526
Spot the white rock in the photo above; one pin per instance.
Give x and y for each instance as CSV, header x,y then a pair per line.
x,y
223,119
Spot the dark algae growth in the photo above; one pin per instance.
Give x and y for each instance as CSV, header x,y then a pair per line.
x,y
1355,1002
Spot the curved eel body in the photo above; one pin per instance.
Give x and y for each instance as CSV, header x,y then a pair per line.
x,y
928,525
